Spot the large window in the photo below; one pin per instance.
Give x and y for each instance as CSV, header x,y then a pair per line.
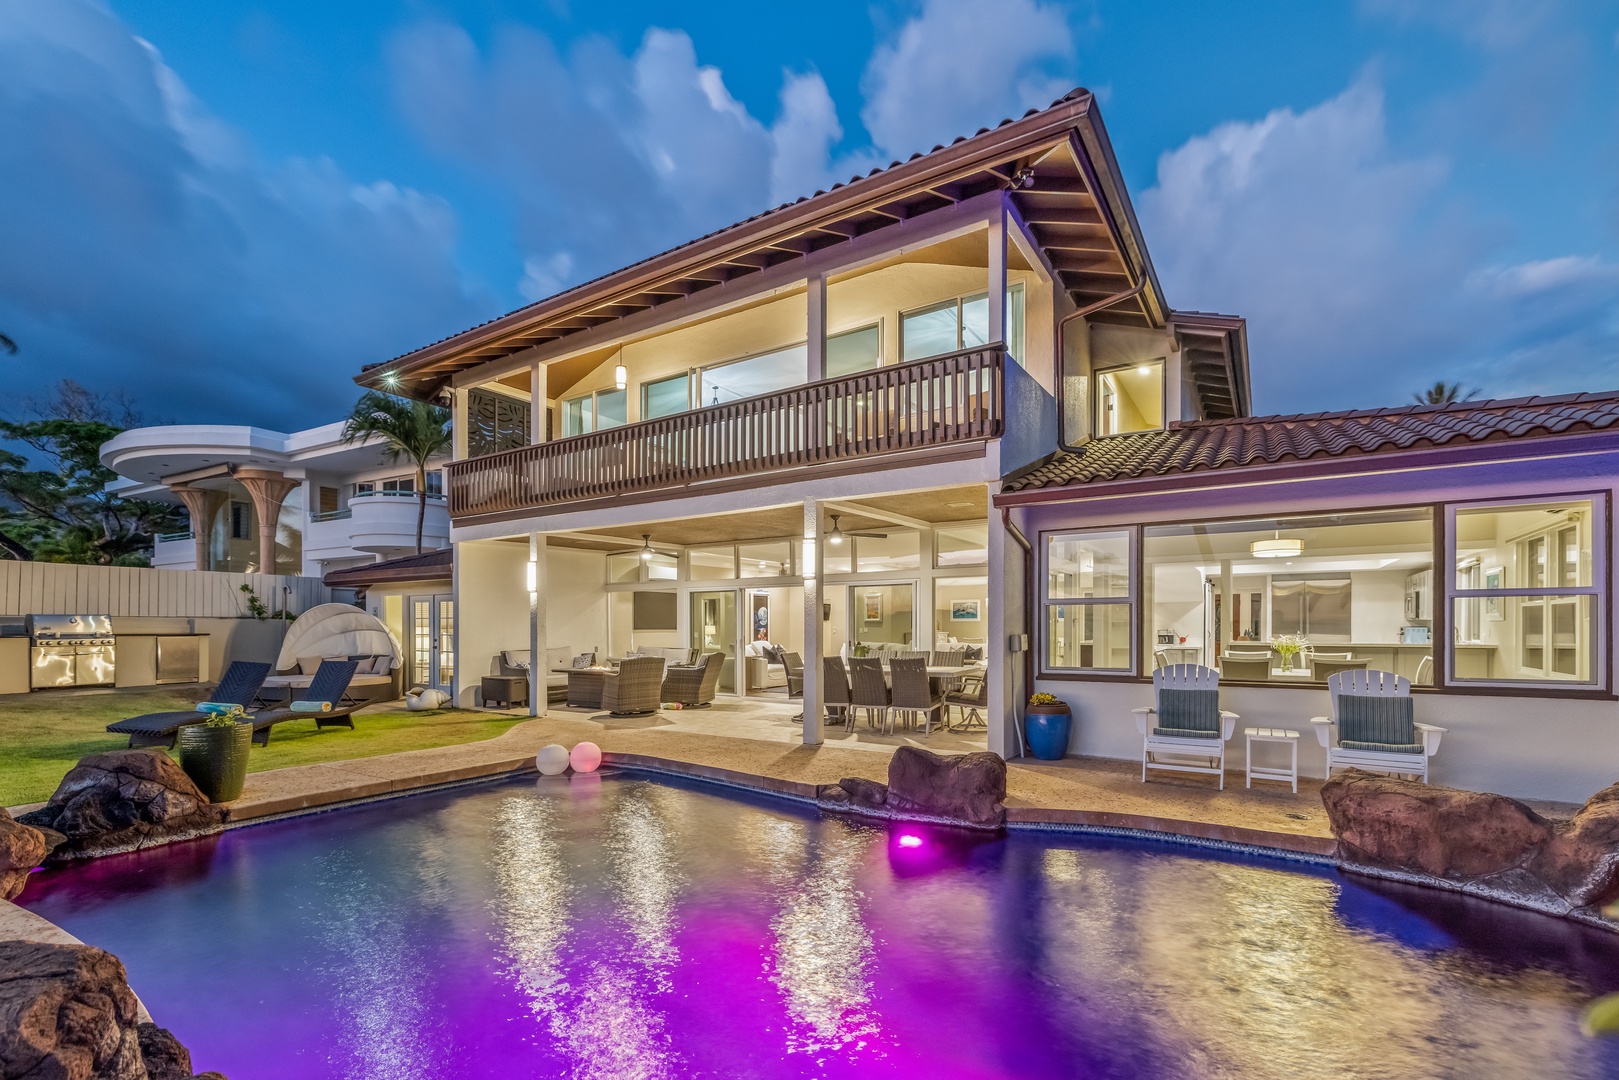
x,y
853,351
1355,590
666,397
1088,602
1524,602
594,412
959,324
1515,597
755,375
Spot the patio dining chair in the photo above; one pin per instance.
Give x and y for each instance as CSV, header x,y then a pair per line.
x,y
913,692
971,699
1373,726
795,673
1185,724
836,697
950,658
870,690
1248,669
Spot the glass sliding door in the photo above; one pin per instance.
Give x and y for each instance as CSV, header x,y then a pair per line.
x,y
714,629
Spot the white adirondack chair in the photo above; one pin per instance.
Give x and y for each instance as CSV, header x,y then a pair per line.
x,y
1157,746
1373,684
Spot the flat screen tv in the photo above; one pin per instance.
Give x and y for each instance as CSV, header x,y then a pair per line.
x,y
654,611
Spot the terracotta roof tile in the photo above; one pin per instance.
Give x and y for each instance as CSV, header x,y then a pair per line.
x,y
1268,440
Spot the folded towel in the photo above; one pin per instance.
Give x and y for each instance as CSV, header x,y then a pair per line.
x,y
219,708
311,706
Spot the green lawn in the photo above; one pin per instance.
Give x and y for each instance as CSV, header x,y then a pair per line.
x,y
42,735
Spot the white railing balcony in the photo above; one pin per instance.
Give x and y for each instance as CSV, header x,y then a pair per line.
x,y
384,523
174,551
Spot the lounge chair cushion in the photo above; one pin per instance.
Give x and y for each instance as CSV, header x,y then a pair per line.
x,y
364,664
1381,721
382,665
308,665
1196,712
1185,733
1380,747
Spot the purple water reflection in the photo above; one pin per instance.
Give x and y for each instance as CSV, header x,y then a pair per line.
x,y
617,927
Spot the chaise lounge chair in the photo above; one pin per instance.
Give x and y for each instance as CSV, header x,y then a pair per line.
x,y
330,685
239,686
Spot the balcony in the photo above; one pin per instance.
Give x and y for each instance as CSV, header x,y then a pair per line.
x,y
174,551
935,403
379,523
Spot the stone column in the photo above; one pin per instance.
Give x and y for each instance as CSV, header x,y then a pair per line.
x,y
268,490
201,504
814,591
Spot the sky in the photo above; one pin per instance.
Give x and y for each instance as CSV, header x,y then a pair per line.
x,y
224,210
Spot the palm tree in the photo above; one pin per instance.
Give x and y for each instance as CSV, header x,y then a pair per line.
x,y
7,345
1443,393
417,431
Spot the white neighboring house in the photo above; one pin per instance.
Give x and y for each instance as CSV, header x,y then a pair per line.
x,y
329,505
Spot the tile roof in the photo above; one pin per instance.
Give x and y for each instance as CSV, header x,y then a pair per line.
x,y
1073,95
1269,440
427,566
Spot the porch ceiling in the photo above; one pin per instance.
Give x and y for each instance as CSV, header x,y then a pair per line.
x,y
965,503
1057,164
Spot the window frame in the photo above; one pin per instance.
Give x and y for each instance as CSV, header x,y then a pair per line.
x,y
648,384
1600,590
959,303
1444,513
1043,667
595,409
1162,363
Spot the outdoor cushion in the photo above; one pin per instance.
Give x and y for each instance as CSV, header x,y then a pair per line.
x,y
584,660
382,665
1381,748
308,665
1185,733
773,653
1382,721
1189,710
363,665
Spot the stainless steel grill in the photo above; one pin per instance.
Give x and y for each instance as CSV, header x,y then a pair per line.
x,y
71,650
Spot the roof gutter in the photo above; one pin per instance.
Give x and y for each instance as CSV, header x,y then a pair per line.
x,y
1062,324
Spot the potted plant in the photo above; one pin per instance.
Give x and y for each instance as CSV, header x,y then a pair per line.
x,y
1046,724
214,754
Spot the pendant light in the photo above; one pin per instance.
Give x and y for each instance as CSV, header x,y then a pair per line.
x,y
1276,547
835,538
646,547
621,376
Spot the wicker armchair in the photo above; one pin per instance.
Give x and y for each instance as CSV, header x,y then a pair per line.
x,y
633,690
693,686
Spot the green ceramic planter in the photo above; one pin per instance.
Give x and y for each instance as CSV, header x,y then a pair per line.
x,y
216,758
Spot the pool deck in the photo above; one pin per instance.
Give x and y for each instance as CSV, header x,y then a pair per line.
x,y
761,751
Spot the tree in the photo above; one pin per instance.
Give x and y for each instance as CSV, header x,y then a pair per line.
x,y
1443,393
7,345
416,431
61,511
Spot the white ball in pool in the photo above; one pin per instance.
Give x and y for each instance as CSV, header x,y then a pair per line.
x,y
552,760
585,757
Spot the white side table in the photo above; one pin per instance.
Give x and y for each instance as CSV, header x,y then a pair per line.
x,y
1262,772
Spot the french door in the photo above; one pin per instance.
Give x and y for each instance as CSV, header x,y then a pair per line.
x,y
432,641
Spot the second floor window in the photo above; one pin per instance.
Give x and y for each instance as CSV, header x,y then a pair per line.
x,y
665,397
1130,399
957,324
594,412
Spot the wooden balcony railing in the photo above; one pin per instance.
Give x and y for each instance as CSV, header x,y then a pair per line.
x,y
955,398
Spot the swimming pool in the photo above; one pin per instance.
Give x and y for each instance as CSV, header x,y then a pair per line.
x,y
615,926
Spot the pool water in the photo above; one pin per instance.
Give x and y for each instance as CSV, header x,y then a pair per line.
x,y
614,926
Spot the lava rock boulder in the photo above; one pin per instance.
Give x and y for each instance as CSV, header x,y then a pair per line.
x,y
22,848
123,800
962,789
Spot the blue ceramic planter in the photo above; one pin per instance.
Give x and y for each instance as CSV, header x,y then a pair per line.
x,y
1047,732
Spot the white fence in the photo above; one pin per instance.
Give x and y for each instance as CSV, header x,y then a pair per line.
x,y
34,588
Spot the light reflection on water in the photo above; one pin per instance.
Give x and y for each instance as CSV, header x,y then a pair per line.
x,y
622,928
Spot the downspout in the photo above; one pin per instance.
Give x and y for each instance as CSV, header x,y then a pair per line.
x,y
1028,609
1062,324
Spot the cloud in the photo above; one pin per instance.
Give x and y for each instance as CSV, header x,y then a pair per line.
x,y
608,158
963,64
1356,270
146,247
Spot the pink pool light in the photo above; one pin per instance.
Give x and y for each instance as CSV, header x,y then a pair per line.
x,y
910,840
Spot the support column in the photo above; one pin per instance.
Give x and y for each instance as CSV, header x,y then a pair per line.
x,y
1005,589
539,697
201,504
813,569
458,424
268,490
997,273
536,404
815,305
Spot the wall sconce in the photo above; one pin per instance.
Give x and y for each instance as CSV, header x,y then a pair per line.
x,y
533,576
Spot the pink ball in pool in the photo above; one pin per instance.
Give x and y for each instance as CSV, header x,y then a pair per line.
x,y
585,757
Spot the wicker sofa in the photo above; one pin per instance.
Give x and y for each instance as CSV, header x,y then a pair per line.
x,y
514,662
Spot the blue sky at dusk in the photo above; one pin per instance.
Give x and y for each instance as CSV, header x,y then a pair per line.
x,y
226,209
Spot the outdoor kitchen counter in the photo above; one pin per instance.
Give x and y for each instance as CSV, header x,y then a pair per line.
x,y
13,665
153,659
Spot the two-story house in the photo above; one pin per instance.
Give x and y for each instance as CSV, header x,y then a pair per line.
x,y
947,405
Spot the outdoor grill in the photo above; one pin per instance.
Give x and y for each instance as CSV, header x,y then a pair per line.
x,y
71,650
